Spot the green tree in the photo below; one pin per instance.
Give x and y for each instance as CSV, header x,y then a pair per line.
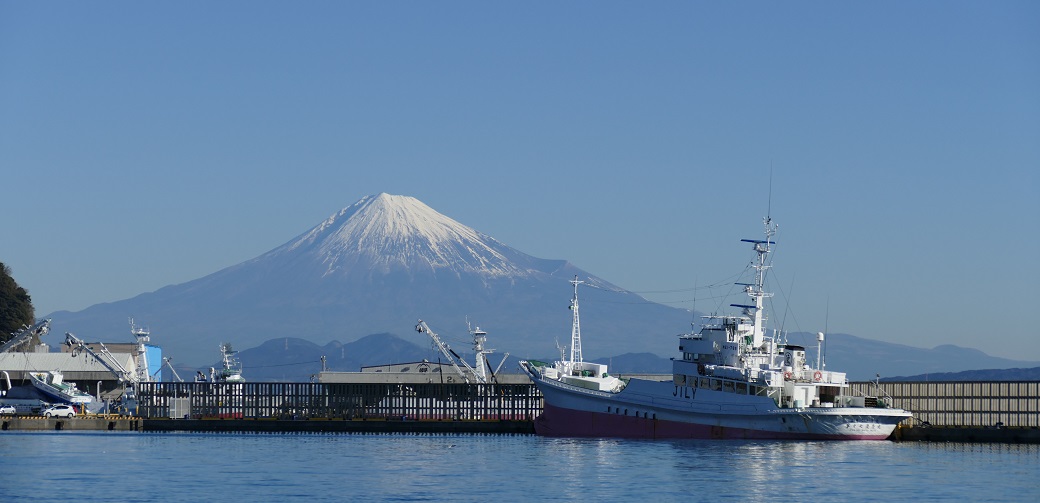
x,y
16,308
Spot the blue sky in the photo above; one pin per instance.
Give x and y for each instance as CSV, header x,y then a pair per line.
x,y
148,145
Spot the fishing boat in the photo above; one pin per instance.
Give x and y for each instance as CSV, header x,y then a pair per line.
x,y
231,368
732,381
53,385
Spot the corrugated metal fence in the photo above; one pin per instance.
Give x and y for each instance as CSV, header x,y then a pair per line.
x,y
963,403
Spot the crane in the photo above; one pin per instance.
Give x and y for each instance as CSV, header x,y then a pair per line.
x,y
452,356
128,379
166,363
39,329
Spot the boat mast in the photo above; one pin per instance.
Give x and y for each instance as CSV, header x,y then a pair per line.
x,y
575,326
141,336
479,338
763,247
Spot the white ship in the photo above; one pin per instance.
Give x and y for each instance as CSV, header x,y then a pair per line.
x,y
231,368
731,381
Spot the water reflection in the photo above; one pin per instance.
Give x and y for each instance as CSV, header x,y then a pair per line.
x,y
192,467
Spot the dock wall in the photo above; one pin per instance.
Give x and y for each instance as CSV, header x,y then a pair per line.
x,y
976,404
79,423
314,425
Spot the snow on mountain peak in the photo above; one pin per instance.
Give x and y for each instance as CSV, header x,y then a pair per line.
x,y
385,232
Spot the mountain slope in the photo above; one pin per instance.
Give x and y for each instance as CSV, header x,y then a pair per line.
x,y
378,266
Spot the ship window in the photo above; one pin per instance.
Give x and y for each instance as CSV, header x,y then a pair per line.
x,y
705,383
716,384
608,409
727,387
626,412
693,382
742,388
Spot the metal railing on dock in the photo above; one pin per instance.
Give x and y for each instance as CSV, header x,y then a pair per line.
x,y
454,402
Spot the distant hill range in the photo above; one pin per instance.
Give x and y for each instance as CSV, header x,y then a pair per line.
x,y
383,263
1025,374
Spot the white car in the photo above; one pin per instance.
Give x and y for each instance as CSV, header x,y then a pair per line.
x,y
7,410
60,411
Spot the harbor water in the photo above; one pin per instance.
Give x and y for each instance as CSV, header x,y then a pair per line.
x,y
131,467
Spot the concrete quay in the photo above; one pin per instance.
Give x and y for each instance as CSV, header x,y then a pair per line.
x,y
990,435
315,425
78,423
1012,435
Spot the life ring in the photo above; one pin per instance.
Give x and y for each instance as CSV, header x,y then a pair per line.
x,y
787,374
817,376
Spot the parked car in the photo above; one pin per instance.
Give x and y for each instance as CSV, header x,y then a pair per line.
x,y
59,411
7,410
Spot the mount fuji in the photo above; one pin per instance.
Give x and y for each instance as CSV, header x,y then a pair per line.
x,y
378,266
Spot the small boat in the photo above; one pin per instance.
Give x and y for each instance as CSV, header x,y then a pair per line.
x,y
52,385
731,381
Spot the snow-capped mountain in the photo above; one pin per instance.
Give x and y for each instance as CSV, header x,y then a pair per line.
x,y
385,233
378,266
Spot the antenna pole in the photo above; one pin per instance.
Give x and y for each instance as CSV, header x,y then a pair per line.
x,y
769,203
826,321
575,326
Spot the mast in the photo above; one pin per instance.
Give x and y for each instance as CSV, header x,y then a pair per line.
x,y
763,247
575,326
479,338
141,335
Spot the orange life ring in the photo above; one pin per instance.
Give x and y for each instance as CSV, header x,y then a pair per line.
x,y
817,376
787,375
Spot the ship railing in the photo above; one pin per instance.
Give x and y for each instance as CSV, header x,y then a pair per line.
x,y
879,399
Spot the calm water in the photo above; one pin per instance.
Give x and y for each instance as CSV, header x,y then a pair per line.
x,y
128,467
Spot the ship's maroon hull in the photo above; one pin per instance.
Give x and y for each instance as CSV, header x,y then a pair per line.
x,y
561,422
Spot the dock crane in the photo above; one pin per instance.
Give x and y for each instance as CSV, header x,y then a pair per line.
x,y
483,367
26,333
451,355
166,363
128,379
